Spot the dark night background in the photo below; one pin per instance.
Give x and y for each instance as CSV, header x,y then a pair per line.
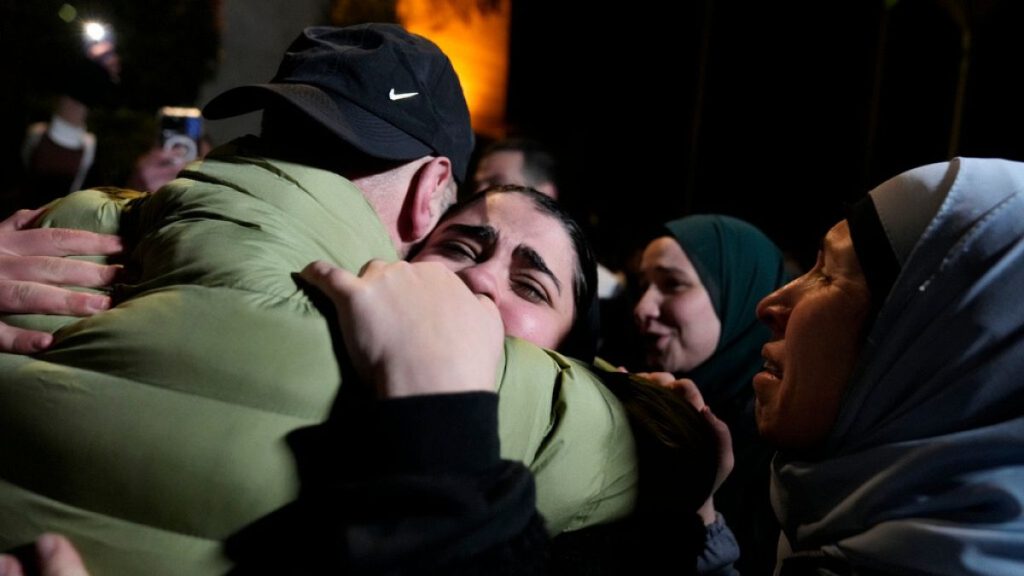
x,y
775,112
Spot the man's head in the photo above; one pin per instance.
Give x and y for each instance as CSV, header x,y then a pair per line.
x,y
385,103
516,161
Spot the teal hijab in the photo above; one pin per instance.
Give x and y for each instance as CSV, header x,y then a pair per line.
x,y
738,266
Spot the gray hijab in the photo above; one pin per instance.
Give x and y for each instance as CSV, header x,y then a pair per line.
x,y
923,471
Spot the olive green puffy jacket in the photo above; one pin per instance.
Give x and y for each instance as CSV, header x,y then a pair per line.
x,y
152,432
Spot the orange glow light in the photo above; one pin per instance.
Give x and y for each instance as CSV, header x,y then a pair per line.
x,y
477,42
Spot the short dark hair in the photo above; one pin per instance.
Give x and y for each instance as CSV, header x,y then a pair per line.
x,y
539,165
581,341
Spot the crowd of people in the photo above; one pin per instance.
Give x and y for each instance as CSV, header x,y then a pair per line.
x,y
304,354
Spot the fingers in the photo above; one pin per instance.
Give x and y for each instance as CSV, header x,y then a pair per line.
x,y
58,557
53,270
21,341
375,268
726,457
59,242
682,386
329,279
20,219
29,297
689,391
491,308
9,566
660,378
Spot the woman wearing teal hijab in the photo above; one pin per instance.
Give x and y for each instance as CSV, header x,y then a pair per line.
x,y
701,281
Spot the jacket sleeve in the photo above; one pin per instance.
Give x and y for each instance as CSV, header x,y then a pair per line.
x,y
423,490
720,550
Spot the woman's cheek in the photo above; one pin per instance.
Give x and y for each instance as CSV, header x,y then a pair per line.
x,y
523,322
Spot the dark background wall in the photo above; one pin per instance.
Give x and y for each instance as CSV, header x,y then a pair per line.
x,y
776,112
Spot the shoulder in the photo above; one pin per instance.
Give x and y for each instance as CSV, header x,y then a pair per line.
x,y
557,417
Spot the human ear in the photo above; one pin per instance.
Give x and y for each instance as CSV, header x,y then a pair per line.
x,y
548,189
433,191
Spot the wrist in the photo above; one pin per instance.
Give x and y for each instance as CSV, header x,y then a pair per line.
x,y
440,433
707,512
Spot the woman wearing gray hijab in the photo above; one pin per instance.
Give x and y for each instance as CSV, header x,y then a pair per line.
x,y
892,385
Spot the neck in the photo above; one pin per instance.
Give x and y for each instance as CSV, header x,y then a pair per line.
x,y
386,194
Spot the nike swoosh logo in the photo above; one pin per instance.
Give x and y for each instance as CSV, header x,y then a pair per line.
x,y
401,96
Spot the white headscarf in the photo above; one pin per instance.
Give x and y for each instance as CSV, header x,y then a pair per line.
x,y
923,472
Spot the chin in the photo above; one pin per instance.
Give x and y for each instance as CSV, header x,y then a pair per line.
x,y
765,428
653,360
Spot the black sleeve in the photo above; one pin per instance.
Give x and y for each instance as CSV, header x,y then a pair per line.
x,y
427,492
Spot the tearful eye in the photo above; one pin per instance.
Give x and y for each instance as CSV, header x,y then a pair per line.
x,y
457,250
530,292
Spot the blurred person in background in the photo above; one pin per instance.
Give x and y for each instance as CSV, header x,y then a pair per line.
x,y
59,153
519,161
701,278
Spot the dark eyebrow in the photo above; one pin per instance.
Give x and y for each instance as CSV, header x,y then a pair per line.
x,y
484,234
537,263
668,270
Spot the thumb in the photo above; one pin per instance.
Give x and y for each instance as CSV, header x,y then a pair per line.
x,y
329,279
58,557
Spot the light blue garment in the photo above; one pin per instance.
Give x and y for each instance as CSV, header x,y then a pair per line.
x,y
923,472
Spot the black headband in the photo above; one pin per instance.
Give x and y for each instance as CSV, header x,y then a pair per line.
x,y
877,258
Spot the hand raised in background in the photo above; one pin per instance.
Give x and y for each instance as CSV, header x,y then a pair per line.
x,y
726,459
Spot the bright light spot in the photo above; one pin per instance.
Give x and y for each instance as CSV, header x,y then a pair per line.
x,y
67,13
95,31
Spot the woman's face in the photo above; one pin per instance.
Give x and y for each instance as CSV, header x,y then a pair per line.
x,y
674,313
521,258
817,323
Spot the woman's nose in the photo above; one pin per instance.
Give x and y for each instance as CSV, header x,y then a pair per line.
x,y
480,280
646,308
774,310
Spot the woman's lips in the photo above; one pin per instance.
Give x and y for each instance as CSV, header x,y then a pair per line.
x,y
772,368
771,371
656,341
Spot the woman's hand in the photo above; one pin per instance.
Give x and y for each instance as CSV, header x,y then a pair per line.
x,y
726,459
414,329
31,269
56,557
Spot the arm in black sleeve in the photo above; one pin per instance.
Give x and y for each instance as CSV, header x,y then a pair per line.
x,y
437,495
422,490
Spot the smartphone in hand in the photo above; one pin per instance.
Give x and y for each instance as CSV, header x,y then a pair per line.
x,y
180,131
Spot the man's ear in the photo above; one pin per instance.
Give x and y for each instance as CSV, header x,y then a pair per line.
x,y
548,189
431,192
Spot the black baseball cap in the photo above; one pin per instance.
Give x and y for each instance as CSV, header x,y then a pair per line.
x,y
387,92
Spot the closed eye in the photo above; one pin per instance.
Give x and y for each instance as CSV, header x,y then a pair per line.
x,y
819,271
528,289
672,285
457,250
